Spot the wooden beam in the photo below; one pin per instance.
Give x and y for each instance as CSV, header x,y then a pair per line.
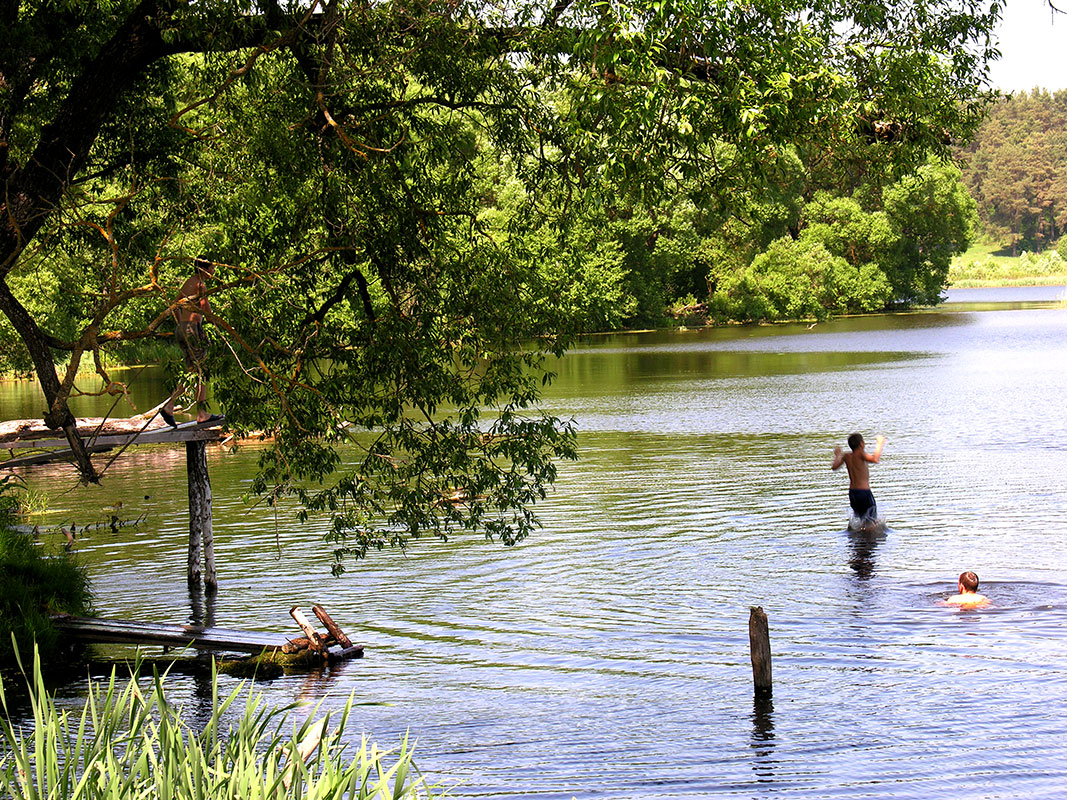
x,y
112,631
102,444
186,432
332,627
314,637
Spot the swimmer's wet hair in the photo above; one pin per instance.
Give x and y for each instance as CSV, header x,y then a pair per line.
x,y
855,440
969,581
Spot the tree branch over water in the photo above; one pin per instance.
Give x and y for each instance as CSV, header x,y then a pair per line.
x,y
441,151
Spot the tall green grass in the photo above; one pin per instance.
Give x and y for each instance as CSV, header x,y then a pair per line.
x,y
129,743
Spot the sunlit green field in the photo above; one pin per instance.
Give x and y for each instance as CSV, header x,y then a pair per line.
x,y
985,264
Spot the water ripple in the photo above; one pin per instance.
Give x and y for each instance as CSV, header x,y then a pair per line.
x,y
607,656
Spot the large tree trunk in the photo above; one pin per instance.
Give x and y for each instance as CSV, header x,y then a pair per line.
x,y
57,415
32,193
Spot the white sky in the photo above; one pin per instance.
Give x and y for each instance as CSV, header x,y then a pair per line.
x,y
1033,47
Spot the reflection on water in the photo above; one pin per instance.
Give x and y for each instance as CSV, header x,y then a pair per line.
x,y
861,546
607,656
763,738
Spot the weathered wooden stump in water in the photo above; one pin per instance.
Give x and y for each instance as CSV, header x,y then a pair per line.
x,y
201,536
759,639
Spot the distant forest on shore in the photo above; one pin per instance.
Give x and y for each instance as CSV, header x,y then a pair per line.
x,y
1016,170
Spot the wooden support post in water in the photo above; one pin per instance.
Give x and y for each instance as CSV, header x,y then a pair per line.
x,y
759,639
317,643
201,537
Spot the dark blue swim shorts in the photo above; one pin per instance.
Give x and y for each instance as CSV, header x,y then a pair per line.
x,y
862,502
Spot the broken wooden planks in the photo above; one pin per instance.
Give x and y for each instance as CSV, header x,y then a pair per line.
x,y
313,640
119,631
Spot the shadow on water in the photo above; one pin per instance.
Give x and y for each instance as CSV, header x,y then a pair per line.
x,y
762,740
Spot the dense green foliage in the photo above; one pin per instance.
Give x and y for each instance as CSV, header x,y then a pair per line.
x,y
34,583
1016,169
130,742
413,205
893,246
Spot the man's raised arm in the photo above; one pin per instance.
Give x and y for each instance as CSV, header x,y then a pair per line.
x,y
876,456
839,458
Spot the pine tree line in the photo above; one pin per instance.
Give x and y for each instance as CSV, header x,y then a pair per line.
x,y
1016,170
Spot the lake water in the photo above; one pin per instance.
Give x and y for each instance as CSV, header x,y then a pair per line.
x,y
607,656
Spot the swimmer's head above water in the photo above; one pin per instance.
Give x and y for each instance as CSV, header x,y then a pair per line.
x,y
968,592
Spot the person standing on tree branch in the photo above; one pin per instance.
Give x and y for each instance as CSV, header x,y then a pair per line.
x,y
189,309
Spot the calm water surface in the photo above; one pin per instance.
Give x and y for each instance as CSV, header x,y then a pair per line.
x,y
608,655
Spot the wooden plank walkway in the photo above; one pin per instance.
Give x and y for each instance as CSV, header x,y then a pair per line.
x,y
118,631
198,637
127,632
102,442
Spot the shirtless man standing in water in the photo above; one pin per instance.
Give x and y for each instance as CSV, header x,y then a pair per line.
x,y
859,477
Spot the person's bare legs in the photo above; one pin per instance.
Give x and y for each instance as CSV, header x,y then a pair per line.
x,y
167,409
202,414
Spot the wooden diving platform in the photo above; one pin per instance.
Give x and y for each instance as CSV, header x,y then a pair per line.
x,y
103,434
100,435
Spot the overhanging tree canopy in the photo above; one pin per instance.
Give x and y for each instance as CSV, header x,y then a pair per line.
x,y
338,159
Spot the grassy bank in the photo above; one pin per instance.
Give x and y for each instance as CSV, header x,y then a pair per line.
x,y
129,742
35,581
989,265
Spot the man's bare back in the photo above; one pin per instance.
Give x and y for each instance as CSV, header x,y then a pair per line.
x,y
860,497
859,474
192,298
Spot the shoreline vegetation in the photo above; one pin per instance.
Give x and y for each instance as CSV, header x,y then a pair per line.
x,y
36,581
131,741
988,266
984,266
